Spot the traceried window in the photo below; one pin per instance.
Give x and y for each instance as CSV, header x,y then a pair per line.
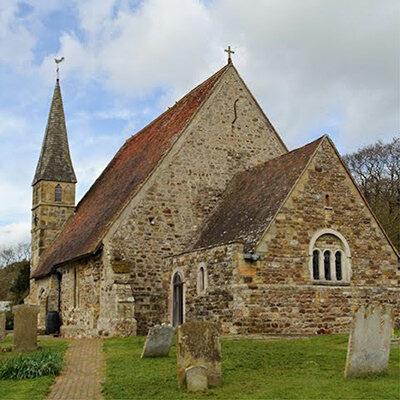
x,y
330,259
58,193
315,264
338,265
327,265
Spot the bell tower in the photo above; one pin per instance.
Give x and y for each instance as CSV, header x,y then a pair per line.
x,y
53,197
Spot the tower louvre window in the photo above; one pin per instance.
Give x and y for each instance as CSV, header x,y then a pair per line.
x,y
58,193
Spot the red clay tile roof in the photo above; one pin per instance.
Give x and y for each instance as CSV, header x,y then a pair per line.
x,y
252,198
130,167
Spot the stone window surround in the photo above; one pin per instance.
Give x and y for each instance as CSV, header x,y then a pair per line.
x,y
58,193
171,295
346,260
200,290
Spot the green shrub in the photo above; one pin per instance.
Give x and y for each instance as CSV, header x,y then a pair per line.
x,y
25,366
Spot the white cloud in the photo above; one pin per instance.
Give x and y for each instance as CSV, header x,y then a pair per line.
x,y
156,45
316,66
306,61
17,232
11,124
16,41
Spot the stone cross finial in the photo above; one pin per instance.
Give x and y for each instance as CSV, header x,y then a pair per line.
x,y
58,61
229,51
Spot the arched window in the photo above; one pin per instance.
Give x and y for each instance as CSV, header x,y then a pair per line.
x,y
58,193
327,265
315,264
327,200
338,265
177,299
202,282
332,264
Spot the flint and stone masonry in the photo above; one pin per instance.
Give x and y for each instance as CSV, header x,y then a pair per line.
x,y
108,264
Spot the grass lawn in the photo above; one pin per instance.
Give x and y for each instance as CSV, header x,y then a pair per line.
x,y
252,369
29,389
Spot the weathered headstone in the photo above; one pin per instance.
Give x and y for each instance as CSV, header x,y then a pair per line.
x,y
158,341
197,345
196,379
25,327
2,325
369,342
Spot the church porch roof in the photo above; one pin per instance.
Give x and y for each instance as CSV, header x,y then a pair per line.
x,y
252,199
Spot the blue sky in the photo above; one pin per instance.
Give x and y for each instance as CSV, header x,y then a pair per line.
x,y
316,66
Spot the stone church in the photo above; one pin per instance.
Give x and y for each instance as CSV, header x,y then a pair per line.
x,y
205,214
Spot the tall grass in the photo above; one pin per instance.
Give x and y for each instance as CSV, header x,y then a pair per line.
x,y
26,366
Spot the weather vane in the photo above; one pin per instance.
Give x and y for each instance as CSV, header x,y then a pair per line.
x,y
229,51
58,61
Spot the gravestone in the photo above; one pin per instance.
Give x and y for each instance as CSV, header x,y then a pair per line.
x,y
2,325
369,342
25,327
158,341
196,379
197,344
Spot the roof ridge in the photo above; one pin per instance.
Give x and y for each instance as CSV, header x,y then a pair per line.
x,y
122,178
140,131
228,220
291,152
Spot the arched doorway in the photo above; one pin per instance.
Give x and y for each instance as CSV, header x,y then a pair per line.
x,y
177,300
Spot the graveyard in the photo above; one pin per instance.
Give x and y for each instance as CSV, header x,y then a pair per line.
x,y
36,388
200,200
302,368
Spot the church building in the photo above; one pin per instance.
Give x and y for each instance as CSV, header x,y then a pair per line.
x,y
205,214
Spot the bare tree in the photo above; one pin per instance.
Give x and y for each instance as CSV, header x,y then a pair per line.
x,y
14,253
376,168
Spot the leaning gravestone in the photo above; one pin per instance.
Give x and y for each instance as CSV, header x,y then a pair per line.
x,y
2,325
198,345
158,341
369,342
25,327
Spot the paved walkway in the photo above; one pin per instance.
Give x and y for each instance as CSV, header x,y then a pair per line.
x,y
83,372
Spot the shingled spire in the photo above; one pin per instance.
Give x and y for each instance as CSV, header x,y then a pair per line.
x,y
55,161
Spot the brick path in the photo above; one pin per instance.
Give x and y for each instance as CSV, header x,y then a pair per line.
x,y
83,372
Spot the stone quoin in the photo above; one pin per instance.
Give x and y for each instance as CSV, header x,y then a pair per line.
x,y
204,214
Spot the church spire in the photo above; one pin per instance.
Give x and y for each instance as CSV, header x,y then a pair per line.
x,y
55,161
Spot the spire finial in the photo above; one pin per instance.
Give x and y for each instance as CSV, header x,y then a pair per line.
x,y
229,51
58,61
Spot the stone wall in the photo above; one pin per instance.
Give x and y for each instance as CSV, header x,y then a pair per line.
x,y
218,301
49,216
80,296
277,295
48,219
183,190
95,302
45,294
